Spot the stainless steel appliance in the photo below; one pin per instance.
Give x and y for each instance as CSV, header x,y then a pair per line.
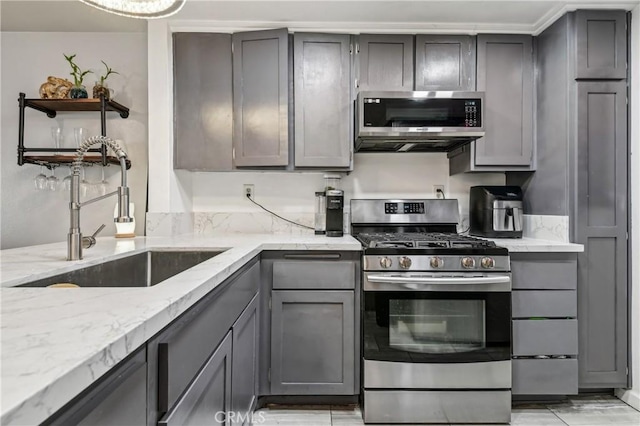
x,y
436,316
418,121
495,211
335,216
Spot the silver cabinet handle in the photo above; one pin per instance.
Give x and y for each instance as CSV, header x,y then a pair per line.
x,y
313,256
499,279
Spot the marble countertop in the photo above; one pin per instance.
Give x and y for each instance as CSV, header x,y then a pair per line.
x,y
536,245
56,342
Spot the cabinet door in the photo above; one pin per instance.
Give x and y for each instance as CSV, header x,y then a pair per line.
x,y
203,122
244,373
505,74
208,399
601,226
445,62
601,37
385,62
118,399
261,98
312,343
323,108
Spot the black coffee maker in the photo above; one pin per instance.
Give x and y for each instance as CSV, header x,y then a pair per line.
x,y
335,207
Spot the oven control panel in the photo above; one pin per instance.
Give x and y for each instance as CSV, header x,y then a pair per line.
x,y
404,208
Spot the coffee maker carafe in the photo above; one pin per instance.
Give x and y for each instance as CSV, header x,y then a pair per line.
x,y
335,207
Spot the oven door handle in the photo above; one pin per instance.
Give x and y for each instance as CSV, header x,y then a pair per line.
x,y
499,279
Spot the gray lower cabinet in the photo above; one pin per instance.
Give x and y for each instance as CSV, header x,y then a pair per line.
x,y
207,400
323,107
261,98
310,323
545,327
312,342
445,62
601,44
505,74
203,112
244,365
178,354
384,62
117,399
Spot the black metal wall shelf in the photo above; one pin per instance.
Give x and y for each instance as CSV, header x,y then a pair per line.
x,y
51,107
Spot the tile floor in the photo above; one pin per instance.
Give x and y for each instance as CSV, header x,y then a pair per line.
x,y
592,410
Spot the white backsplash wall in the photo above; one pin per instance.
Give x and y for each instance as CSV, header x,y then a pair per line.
x,y
292,194
37,217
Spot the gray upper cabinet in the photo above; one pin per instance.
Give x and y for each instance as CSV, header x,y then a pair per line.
x,y
202,101
323,107
601,225
312,342
385,62
261,98
445,62
505,74
601,38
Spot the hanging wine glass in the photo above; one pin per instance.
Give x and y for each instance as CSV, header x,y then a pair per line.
x,y
103,186
52,181
66,182
40,180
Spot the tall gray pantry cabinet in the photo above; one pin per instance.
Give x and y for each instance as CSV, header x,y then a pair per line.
x,y
582,172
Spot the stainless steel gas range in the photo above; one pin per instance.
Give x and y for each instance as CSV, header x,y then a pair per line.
x,y
436,316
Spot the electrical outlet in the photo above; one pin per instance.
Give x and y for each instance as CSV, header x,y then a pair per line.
x,y
248,190
438,191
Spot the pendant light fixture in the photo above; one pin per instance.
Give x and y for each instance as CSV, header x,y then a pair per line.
x,y
143,9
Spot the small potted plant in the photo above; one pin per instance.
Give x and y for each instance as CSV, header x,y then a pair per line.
x,y
78,91
100,88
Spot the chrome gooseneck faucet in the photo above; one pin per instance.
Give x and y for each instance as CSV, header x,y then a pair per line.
x,y
75,241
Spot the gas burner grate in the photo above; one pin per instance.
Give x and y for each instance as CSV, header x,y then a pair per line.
x,y
421,240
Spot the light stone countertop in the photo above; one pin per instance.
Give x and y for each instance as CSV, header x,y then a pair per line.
x,y
534,245
57,342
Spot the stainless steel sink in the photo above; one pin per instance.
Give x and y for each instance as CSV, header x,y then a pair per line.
x,y
139,270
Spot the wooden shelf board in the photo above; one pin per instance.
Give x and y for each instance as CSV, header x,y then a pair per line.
x,y
92,104
47,160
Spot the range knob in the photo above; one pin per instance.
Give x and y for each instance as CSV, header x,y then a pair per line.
x,y
436,262
487,262
385,262
468,262
405,262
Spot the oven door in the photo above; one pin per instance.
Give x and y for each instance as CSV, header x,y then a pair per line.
x,y
437,318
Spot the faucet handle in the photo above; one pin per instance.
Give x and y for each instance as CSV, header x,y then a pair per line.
x,y
88,242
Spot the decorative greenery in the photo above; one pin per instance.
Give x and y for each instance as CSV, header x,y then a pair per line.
x,y
110,71
76,72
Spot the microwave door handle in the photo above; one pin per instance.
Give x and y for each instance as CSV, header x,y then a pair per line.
x,y
499,279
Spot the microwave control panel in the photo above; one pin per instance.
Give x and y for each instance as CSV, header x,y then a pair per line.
x,y
404,208
471,113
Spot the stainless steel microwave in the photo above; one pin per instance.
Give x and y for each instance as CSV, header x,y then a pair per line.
x,y
418,121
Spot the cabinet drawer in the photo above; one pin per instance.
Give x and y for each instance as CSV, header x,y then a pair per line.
x,y
544,303
545,376
544,271
184,348
314,274
545,337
